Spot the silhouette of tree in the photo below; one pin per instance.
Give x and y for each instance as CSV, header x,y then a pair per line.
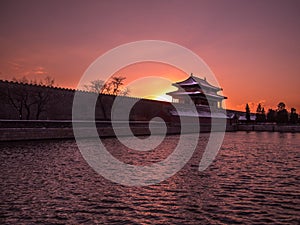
x,y
117,82
15,97
113,87
258,110
23,98
260,114
263,115
271,115
281,106
247,113
42,96
282,114
41,99
48,81
293,116
96,86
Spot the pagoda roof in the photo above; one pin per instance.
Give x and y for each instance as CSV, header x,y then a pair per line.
x,y
191,93
192,80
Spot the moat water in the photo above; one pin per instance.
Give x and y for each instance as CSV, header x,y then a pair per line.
x,y
255,179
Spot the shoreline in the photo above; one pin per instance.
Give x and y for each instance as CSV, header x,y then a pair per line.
x,y
47,130
287,128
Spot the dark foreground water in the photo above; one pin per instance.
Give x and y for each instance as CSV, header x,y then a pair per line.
x,y
255,179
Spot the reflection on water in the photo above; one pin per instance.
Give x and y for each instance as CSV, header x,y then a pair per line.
x,y
254,180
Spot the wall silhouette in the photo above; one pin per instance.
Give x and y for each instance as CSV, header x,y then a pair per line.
x,y
36,102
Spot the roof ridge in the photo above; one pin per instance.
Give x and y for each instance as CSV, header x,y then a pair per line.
x,y
199,80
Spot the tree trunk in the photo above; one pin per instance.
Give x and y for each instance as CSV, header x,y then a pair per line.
x,y
28,112
103,107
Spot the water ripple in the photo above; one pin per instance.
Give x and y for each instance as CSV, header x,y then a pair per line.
x,y
254,180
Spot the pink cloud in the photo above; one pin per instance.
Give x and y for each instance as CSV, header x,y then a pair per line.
x,y
40,71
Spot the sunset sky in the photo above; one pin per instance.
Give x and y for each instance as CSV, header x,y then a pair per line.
x,y
253,47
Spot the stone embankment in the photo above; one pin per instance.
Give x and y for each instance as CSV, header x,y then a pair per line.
x,y
40,130
268,127
12,130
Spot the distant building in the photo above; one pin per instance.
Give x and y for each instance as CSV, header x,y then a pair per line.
x,y
198,91
198,98
244,119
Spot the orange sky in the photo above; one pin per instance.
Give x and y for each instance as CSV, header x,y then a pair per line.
x,y
251,46
141,76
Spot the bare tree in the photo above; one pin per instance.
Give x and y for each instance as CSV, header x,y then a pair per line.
x,y
48,81
22,97
96,86
112,87
42,96
22,80
41,100
125,91
15,98
117,83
